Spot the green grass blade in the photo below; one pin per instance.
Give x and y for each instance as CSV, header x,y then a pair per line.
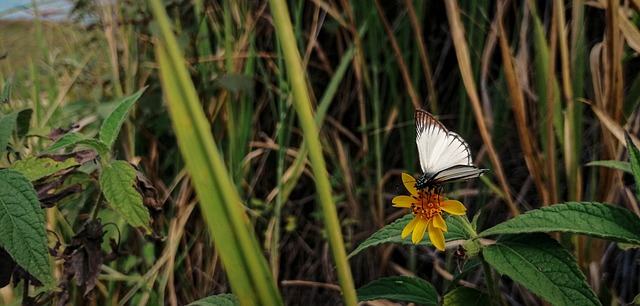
x,y
302,103
220,203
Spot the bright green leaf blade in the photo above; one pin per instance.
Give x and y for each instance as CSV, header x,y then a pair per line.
x,y
466,296
117,181
78,139
112,124
217,300
7,126
22,232
543,266
399,288
23,122
592,219
613,164
34,167
634,159
391,233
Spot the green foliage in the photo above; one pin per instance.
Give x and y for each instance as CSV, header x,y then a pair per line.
x,y
7,126
466,296
36,167
22,232
112,124
72,139
543,266
217,300
594,219
117,181
391,233
399,288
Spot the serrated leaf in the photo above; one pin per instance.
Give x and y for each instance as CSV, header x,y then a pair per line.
x,y
217,300
634,159
35,168
466,296
112,124
399,288
7,126
543,266
23,122
78,139
391,233
613,164
592,219
22,232
117,181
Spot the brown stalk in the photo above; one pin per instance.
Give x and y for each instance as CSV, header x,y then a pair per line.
x,y
424,57
551,140
413,95
532,156
572,155
464,62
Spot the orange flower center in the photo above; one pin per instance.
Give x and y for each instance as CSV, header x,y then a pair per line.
x,y
427,204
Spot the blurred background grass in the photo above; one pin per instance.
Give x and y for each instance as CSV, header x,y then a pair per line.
x,y
554,83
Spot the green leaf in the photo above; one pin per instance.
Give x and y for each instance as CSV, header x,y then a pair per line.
x,y
217,300
592,219
35,168
112,124
22,232
117,181
23,122
391,233
634,158
466,296
613,164
7,126
78,139
6,91
543,266
399,288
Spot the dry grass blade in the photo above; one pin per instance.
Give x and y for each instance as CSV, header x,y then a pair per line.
x,y
528,142
630,31
462,52
413,95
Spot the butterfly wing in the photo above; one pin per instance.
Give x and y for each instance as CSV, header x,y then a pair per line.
x,y
438,148
444,155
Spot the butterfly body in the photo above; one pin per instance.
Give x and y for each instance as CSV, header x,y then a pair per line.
x,y
444,156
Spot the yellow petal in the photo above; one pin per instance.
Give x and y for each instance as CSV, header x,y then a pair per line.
x,y
453,207
410,226
403,201
436,237
410,183
438,222
418,231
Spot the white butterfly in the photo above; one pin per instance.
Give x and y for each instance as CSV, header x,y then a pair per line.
x,y
444,155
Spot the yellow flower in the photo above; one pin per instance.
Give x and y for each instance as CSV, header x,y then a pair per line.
x,y
427,206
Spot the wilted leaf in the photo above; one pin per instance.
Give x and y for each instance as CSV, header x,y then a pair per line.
x,y
84,257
